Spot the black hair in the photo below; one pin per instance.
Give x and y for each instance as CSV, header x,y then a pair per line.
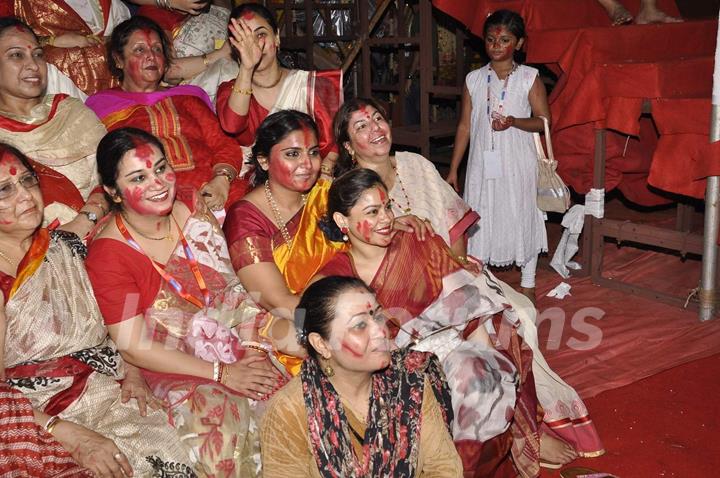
x,y
257,9
317,307
19,155
510,20
273,130
112,149
341,122
121,35
14,22
344,194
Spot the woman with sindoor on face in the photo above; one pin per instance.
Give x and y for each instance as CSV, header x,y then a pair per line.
x,y
357,409
56,355
181,117
482,331
163,279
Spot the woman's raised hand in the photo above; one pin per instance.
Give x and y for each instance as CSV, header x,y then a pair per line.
x,y
252,376
92,450
249,47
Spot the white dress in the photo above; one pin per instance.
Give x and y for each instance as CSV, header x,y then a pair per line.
x,y
511,227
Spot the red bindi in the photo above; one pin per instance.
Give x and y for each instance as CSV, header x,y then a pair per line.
x,y
13,171
248,15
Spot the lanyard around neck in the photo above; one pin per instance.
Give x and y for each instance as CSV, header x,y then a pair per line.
x,y
503,93
174,283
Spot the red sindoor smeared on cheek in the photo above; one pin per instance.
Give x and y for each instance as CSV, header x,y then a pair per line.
x,y
279,169
347,348
170,177
364,228
134,197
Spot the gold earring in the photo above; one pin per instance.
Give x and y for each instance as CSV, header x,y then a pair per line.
x,y
352,157
328,370
117,199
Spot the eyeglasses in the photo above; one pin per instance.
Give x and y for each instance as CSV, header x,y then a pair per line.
x,y
9,189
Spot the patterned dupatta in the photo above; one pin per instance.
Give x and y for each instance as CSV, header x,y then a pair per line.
x,y
392,436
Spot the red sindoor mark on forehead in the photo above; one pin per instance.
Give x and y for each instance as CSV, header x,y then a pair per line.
x,y
383,196
13,170
249,15
308,135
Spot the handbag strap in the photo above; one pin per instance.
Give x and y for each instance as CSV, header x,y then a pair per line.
x,y
548,142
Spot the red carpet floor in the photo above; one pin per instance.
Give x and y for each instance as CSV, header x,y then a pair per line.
x,y
649,372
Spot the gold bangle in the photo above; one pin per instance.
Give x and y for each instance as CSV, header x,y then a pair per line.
x,y
240,91
226,173
51,423
206,62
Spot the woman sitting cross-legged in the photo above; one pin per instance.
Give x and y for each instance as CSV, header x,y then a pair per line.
x,y
63,369
357,409
162,276
496,380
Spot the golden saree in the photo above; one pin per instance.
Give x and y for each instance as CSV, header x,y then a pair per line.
x,y
254,238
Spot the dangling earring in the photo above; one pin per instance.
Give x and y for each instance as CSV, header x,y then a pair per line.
x,y
352,158
328,370
344,231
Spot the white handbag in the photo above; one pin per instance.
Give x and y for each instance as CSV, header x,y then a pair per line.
x,y
552,193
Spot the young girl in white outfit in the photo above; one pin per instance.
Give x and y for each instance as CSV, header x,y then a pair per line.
x,y
501,105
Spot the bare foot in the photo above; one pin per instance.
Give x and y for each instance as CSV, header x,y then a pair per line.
x,y
653,15
555,452
617,13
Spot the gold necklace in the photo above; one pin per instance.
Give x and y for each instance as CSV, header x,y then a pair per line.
x,y
168,236
8,260
276,212
402,187
274,84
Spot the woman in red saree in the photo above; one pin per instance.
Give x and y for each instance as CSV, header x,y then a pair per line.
x,y
63,369
263,86
181,117
490,370
162,276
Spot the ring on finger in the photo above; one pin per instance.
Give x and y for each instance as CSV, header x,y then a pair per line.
x,y
118,456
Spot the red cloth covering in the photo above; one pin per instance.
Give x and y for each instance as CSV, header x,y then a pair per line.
x,y
540,14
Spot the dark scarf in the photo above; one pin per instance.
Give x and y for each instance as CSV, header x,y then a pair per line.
x,y
392,435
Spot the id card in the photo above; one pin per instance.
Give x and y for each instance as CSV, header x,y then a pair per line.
x,y
492,165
